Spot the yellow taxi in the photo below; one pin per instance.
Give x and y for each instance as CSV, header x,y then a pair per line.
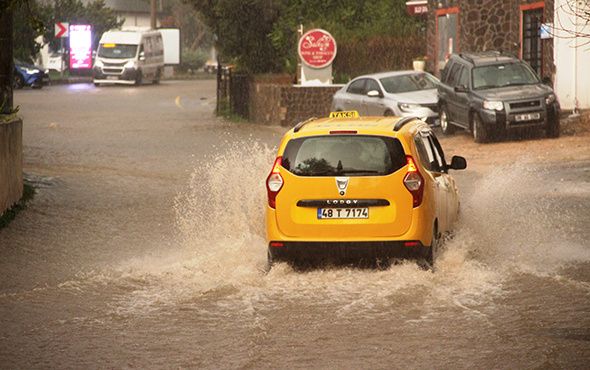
x,y
350,189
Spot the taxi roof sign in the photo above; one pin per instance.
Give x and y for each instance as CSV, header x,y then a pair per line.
x,y
345,114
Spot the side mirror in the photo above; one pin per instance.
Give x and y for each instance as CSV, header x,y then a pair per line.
x,y
458,163
461,89
142,55
374,94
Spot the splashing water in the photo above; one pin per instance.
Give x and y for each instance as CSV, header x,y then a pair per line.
x,y
504,229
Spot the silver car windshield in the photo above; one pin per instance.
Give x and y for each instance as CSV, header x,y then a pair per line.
x,y
488,77
408,83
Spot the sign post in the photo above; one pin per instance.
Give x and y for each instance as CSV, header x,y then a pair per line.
x,y
317,50
62,30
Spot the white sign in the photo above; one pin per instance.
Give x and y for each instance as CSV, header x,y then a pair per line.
x,y
62,29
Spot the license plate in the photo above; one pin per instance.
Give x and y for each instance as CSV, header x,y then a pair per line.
x,y
527,117
335,213
112,77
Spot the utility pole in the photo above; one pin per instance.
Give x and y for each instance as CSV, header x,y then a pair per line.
x,y
153,14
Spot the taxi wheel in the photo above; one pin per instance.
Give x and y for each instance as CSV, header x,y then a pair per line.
x,y
432,254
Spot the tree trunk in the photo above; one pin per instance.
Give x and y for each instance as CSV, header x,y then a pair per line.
x,y
6,64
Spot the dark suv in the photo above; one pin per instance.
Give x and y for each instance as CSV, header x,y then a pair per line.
x,y
491,93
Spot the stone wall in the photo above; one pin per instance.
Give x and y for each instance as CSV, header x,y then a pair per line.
x,y
286,105
11,164
488,25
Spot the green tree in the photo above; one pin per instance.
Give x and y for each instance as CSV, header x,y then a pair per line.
x,y
95,13
260,35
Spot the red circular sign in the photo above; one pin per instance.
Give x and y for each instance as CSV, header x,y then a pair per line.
x,y
317,48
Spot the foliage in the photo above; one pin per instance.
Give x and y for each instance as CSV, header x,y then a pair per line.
x,y
192,60
95,13
27,27
260,36
194,34
242,29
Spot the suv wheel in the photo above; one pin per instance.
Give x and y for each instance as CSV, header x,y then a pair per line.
x,y
446,127
480,133
552,128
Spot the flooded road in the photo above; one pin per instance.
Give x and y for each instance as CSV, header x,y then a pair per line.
x,y
144,248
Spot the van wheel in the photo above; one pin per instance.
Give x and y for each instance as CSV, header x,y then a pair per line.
x,y
157,78
480,134
139,78
446,127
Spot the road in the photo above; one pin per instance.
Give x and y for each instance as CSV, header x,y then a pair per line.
x,y
144,248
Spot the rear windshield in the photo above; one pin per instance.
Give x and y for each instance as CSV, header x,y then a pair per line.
x,y
344,155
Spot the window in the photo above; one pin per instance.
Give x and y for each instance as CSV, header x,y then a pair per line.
x,y
463,78
372,85
357,87
348,155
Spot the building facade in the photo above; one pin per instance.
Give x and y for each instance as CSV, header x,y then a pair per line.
x,y
512,26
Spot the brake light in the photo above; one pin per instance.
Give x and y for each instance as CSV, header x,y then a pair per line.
x,y
414,181
274,183
343,132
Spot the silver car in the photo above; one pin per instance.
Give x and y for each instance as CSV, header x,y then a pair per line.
x,y
400,93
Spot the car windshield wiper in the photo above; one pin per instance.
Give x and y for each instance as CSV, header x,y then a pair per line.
x,y
516,84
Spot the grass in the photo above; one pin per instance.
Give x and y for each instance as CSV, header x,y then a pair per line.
x,y
10,214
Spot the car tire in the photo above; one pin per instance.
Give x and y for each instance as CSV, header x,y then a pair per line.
x,y
18,82
97,84
478,129
552,129
433,252
446,127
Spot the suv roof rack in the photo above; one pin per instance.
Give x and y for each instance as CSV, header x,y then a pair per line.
x,y
300,125
402,122
486,56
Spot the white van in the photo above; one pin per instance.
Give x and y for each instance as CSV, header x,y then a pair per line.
x,y
129,56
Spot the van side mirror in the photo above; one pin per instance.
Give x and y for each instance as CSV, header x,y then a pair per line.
x,y
458,163
142,55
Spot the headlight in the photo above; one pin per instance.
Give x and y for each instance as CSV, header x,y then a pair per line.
x,y
130,64
99,63
493,105
550,99
407,107
31,71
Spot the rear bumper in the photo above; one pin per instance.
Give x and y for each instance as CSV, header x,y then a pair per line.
x,y
346,252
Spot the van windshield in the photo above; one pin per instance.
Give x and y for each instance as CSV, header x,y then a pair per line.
x,y
117,51
344,155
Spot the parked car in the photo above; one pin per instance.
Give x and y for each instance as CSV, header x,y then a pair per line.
x,y
400,93
29,75
492,93
350,189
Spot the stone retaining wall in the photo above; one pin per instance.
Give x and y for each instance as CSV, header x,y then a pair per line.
x,y
11,164
286,105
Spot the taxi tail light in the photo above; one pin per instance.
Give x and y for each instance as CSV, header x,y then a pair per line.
x,y
274,183
414,182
